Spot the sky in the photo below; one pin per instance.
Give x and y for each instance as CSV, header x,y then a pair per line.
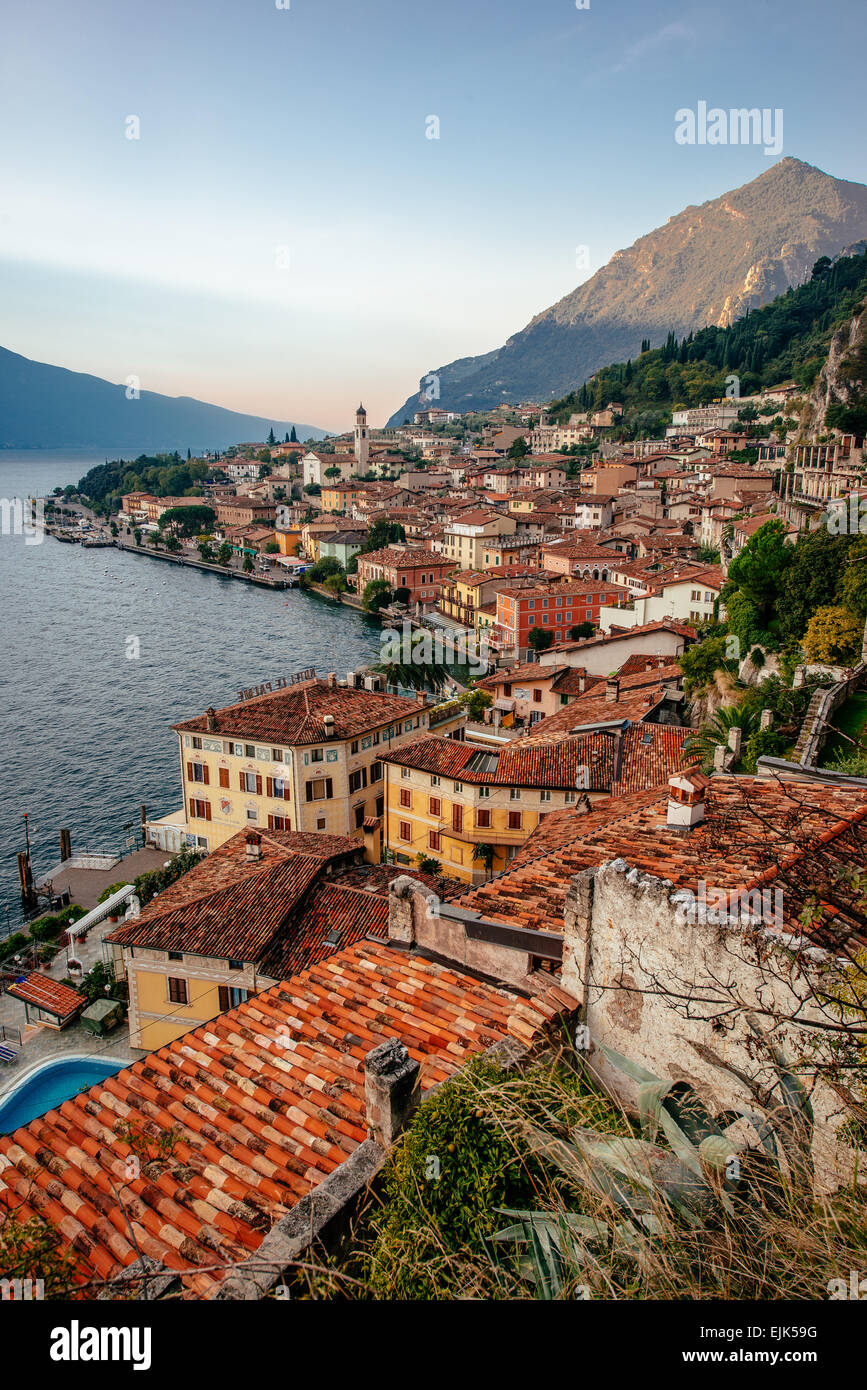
x,y
284,238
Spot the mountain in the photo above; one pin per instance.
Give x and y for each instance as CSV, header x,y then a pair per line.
x,y
707,265
44,407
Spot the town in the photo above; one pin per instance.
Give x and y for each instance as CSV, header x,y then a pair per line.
x,y
620,712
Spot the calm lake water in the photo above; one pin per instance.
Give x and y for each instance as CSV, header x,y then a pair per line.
x,y
85,730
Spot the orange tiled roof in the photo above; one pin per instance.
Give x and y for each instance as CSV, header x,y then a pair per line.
x,y
262,1103
48,994
296,715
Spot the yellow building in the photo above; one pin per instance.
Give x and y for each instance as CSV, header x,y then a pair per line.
x,y
472,808
260,908
307,756
339,497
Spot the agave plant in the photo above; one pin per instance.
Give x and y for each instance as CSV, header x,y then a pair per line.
x,y
698,1179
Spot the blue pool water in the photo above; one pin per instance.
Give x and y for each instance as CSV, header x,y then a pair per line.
x,y
49,1085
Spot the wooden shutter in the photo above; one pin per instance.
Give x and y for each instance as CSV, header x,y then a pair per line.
x,y
192,809
241,783
205,773
190,776
224,777
258,785
269,783
285,789
223,991
457,817
328,791
207,805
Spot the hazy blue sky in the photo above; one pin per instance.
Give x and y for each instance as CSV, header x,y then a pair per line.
x,y
270,134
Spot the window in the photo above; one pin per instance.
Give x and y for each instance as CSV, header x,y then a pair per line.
x,y
276,755
457,818
231,997
224,776
545,796
434,806
405,830
317,755
249,750
252,815
200,810
434,840
405,797
537,697
197,742
434,781
236,965
404,772
279,823
278,787
514,793
380,805
507,689
250,782
358,812
197,772
483,817
177,990
319,789
484,791
458,787
353,747
320,822
514,820
376,772
570,797
375,737
357,780
176,955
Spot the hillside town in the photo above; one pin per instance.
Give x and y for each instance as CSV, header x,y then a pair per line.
x,y
589,792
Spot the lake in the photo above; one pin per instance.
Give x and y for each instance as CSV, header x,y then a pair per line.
x,y
85,729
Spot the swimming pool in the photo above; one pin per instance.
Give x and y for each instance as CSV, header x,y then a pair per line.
x,y
49,1084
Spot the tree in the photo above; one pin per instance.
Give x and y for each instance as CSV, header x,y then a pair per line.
x,y
333,472
188,521
113,528
336,583
136,535
271,436
204,549
580,631
377,593
715,733
427,864
173,544
476,702
248,564
756,575
540,638
518,449
272,548
700,662
224,554
486,854
292,437
833,636
811,580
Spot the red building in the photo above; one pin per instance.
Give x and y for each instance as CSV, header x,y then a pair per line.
x,y
554,609
413,568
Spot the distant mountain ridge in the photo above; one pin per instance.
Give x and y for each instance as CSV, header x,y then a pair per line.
x,y
46,407
707,265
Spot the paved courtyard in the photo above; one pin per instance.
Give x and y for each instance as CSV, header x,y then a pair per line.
x,y
85,885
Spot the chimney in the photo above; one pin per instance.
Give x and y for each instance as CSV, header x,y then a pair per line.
x,y
612,692
328,721
211,717
332,680
767,719
350,679
391,1090
254,844
734,741
686,793
421,698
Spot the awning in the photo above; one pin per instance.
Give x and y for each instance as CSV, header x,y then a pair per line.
x,y
504,704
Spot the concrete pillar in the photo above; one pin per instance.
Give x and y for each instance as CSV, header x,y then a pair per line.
x,y
391,1090
401,922
767,719
735,739
720,757
799,678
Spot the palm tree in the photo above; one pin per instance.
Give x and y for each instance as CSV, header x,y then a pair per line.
x,y
487,854
414,675
715,732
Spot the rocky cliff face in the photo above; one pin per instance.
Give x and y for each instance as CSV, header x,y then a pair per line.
x,y
842,379
707,265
